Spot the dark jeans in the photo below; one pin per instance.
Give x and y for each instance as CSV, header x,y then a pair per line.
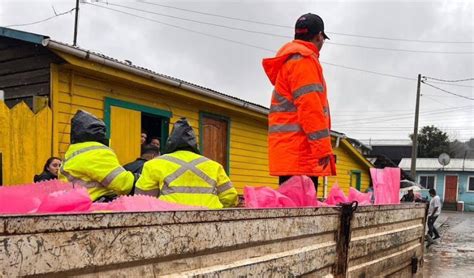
x,y
431,229
282,179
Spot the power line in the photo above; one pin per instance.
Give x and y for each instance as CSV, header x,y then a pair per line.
x,y
256,46
200,22
399,39
400,50
448,92
369,71
398,117
41,21
450,81
284,36
451,84
182,28
291,27
239,42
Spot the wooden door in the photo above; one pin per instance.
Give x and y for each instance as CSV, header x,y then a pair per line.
x,y
451,189
214,139
125,133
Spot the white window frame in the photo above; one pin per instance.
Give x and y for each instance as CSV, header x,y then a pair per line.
x,y
428,175
467,184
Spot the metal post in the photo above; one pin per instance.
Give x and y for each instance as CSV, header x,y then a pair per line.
x,y
325,187
343,239
414,151
75,23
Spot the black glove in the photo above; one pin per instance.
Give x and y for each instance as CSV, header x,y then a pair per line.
x,y
325,161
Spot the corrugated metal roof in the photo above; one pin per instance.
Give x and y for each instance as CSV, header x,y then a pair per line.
x,y
131,65
432,164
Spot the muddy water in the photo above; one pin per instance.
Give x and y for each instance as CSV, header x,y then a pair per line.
x,y
453,254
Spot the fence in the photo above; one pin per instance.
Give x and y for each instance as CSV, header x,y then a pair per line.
x,y
25,142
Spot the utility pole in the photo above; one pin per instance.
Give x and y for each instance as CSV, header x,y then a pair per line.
x,y
414,151
75,23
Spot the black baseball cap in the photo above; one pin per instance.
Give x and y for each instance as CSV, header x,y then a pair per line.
x,y
310,24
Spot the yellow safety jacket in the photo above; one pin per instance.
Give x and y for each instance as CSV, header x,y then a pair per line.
x,y
96,167
188,178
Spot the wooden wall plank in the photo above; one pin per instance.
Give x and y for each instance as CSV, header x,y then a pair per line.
x,y
25,78
24,64
41,89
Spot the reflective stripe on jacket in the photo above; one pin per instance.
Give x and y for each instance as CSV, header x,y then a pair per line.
x,y
187,178
299,119
96,167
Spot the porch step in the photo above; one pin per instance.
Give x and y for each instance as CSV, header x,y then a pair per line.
x,y
449,206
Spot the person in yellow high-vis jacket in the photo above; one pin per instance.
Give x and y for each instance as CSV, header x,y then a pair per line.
x,y
89,162
183,176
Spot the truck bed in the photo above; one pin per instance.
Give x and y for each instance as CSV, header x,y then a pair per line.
x,y
312,242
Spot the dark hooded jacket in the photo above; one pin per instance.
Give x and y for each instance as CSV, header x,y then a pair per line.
x,y
182,138
86,127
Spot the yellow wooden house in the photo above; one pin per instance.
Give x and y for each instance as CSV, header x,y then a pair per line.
x,y
51,76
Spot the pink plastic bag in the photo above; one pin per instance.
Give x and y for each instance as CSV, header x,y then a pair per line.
x,y
29,198
72,200
386,185
336,196
301,190
140,203
364,199
266,197
298,191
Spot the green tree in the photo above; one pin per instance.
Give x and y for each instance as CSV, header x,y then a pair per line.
x,y
432,142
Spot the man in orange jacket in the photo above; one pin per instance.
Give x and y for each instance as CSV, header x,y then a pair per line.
x,y
299,137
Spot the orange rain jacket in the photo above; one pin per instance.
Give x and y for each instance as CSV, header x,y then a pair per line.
x,y
299,122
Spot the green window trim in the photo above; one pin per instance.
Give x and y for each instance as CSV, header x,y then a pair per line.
x,y
203,114
358,175
137,107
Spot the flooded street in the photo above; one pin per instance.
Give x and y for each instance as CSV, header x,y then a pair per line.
x,y
453,254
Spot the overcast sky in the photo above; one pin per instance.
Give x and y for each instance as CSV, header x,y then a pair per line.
x,y
363,105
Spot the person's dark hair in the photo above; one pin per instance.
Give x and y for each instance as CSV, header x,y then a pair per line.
x,y
150,149
305,37
157,138
432,191
45,168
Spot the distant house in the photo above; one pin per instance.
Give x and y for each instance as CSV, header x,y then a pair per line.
x,y
393,152
389,154
453,182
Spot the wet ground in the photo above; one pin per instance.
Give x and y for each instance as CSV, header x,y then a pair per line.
x,y
453,254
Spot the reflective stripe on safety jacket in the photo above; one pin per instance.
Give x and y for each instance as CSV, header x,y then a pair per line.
x,y
299,119
96,167
187,178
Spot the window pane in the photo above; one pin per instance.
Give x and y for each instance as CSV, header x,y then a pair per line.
x,y
471,184
427,181
423,181
431,182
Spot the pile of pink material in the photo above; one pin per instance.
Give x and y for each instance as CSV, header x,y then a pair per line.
x,y
44,197
58,197
386,185
299,191
140,203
